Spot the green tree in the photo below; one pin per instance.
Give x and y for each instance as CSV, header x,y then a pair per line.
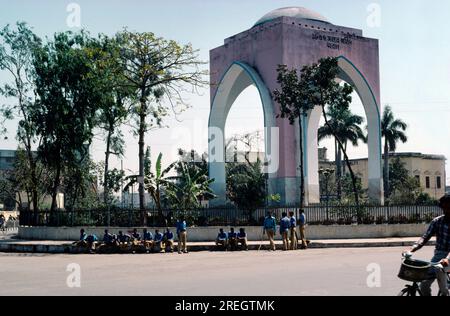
x,y
246,186
114,106
16,60
294,106
347,127
157,70
66,105
316,87
393,131
398,175
79,186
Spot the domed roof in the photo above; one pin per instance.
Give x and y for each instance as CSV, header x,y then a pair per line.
x,y
293,12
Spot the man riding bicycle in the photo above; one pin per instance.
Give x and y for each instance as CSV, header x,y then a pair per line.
x,y
440,227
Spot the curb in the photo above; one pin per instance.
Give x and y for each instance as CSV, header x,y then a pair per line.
x,y
10,247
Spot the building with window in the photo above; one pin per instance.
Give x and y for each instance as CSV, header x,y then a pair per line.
x,y
429,170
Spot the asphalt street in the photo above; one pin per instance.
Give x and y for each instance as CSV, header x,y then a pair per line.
x,y
321,272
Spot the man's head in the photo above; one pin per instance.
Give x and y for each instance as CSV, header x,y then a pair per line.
x,y
302,211
269,214
135,230
284,214
157,231
81,231
120,233
444,203
168,230
221,230
145,230
291,213
232,229
106,232
242,230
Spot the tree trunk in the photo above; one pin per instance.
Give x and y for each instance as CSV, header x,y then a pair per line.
x,y
55,187
105,181
302,163
339,172
341,147
386,170
142,128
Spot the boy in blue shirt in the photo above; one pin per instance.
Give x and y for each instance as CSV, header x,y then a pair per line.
x,y
302,224
232,239
293,231
221,240
269,228
182,235
157,245
242,238
147,240
168,240
285,226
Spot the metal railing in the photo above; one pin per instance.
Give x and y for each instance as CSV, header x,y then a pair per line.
x,y
315,215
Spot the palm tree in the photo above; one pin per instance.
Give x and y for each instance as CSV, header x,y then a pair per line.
x,y
347,127
393,130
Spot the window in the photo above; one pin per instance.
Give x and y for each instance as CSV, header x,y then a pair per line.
x,y
427,180
418,179
438,183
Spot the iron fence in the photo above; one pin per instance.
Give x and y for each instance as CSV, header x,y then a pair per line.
x,y
315,215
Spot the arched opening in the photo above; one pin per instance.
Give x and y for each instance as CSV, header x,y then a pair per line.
x,y
350,74
244,128
235,81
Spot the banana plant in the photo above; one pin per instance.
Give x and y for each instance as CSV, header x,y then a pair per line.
x,y
154,182
189,187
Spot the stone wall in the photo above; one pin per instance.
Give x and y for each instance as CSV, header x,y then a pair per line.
x,y
199,234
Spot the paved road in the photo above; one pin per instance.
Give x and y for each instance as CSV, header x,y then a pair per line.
x,y
312,272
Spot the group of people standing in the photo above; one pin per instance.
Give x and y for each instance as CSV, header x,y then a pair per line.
x,y
288,230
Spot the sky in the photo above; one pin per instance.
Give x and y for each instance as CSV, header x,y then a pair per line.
x,y
414,60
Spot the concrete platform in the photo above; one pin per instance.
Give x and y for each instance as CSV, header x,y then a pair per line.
x,y
59,247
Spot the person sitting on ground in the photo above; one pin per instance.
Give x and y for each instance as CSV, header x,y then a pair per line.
x,y
81,242
124,241
242,239
109,242
135,235
108,238
285,226
168,240
157,245
2,222
147,240
92,242
136,245
232,239
222,240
